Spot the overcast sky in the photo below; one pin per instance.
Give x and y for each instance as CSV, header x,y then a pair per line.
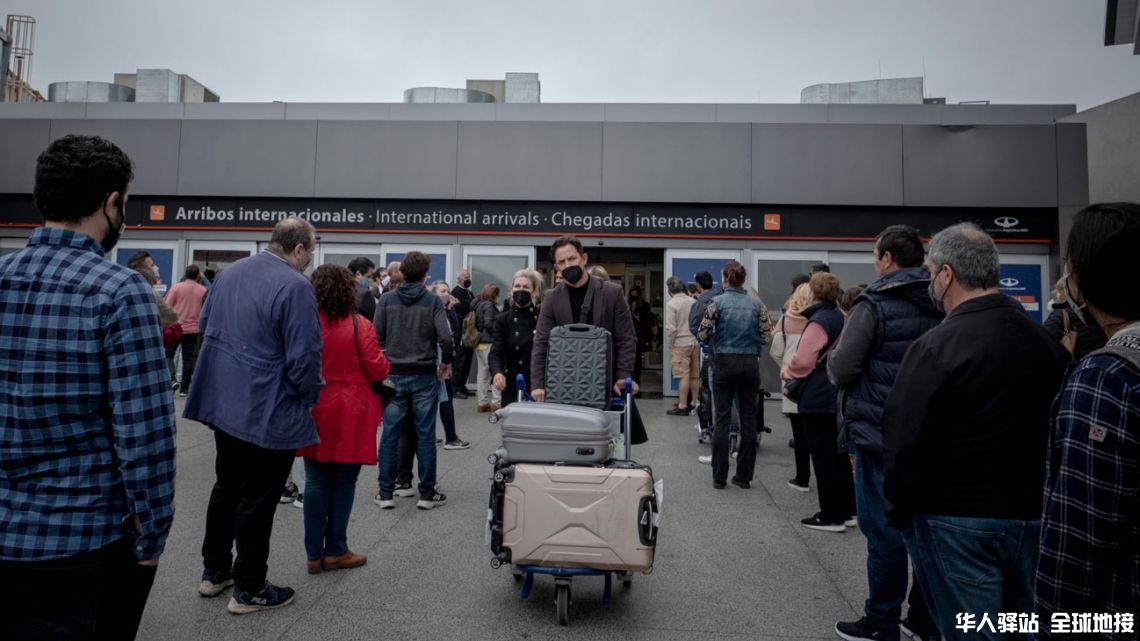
x,y
1008,51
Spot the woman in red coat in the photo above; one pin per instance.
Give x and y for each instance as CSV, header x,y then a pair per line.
x,y
347,416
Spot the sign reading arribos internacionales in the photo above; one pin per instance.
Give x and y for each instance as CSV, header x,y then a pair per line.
x,y
512,218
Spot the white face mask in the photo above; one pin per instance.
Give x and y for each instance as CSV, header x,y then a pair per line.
x,y
1079,310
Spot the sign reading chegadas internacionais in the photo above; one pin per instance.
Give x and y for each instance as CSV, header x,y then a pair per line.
x,y
515,218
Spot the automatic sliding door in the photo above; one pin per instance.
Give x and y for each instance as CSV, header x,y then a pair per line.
x,y
772,278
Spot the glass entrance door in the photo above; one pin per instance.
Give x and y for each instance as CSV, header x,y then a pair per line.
x,y
685,264
217,255
342,254
440,256
771,275
496,265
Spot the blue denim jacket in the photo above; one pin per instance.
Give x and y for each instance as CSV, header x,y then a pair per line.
x,y
737,328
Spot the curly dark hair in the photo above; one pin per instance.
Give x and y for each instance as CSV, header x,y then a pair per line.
x,y
336,291
75,174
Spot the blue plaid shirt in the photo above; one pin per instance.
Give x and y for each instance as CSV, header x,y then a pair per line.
x,y
86,409
1090,529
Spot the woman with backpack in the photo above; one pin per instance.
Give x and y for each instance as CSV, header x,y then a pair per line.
x,y
485,308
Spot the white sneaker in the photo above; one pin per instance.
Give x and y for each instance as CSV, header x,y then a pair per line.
x,y
405,490
435,500
706,459
385,504
851,522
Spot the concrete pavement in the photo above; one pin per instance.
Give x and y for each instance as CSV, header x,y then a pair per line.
x,y
730,563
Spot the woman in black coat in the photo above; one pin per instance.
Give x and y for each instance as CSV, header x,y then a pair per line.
x,y
514,335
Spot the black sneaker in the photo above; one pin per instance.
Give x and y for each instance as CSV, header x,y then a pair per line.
x,y
289,494
718,485
816,522
909,629
269,597
677,411
405,490
738,483
431,501
863,630
384,503
457,444
214,583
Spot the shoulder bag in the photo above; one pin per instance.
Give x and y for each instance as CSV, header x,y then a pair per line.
x,y
384,389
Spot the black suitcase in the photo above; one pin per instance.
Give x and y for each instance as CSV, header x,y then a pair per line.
x,y
579,366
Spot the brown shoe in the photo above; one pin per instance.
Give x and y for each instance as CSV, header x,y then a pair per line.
x,y
494,407
314,567
346,561
483,407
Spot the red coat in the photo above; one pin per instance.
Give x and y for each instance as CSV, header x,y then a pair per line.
x,y
348,413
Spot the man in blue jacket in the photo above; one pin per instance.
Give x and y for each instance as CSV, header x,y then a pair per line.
x,y
258,374
884,320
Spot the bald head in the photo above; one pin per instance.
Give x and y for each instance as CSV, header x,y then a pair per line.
x,y
291,232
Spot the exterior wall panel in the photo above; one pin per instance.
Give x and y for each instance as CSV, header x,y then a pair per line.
x,y
248,157
677,162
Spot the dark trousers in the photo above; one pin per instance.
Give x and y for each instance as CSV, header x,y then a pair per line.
x,y
93,595
704,410
242,504
803,456
463,358
447,413
189,344
834,482
329,490
735,378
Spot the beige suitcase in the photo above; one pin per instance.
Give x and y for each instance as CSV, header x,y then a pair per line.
x,y
600,518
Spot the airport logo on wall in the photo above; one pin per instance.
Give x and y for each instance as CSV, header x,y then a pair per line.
x,y
1009,282
1006,222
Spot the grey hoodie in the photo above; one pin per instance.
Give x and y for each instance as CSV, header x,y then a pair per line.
x,y
410,323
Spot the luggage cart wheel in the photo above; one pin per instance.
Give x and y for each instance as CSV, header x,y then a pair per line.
x,y
627,583
562,599
518,576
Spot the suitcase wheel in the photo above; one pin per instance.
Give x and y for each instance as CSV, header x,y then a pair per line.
x,y
562,601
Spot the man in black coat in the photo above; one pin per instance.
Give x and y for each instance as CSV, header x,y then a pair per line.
x,y
361,269
462,294
965,430
563,306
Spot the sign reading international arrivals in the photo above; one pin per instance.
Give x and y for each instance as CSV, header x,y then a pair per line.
x,y
515,218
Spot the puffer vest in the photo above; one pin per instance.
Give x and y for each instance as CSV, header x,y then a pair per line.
x,y
819,394
903,312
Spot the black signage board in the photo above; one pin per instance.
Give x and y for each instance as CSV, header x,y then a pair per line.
x,y
515,218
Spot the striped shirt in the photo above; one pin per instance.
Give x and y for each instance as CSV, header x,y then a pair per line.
x,y
86,409
1090,529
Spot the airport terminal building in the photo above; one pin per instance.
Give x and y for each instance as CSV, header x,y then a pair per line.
x,y
654,190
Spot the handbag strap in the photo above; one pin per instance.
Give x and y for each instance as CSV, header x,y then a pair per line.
x,y
1065,320
356,344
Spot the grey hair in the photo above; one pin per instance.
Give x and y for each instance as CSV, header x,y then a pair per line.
x,y
675,285
291,232
970,252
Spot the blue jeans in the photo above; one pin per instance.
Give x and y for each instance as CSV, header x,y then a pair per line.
x,y
975,566
329,490
418,394
886,554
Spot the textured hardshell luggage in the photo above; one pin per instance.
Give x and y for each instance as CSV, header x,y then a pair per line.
x,y
579,365
579,517
553,433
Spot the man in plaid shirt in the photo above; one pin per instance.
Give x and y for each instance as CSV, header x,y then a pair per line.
x,y
86,411
1090,527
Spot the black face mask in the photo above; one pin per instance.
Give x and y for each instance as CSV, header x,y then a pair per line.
x,y
112,238
521,297
572,275
467,283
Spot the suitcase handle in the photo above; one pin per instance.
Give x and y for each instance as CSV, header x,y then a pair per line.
x,y
646,530
579,327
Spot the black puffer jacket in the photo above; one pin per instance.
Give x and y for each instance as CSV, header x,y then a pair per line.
x,y
485,312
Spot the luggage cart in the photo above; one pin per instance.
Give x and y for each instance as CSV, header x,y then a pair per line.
x,y
563,576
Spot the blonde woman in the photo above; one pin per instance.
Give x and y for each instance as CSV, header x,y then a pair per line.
x,y
514,335
785,340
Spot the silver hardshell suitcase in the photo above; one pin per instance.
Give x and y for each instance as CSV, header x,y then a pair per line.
x,y
579,366
553,433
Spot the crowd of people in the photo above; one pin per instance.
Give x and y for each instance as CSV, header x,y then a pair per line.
x,y
990,462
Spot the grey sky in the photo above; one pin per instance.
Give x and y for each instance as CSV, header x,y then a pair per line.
x,y
1009,51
